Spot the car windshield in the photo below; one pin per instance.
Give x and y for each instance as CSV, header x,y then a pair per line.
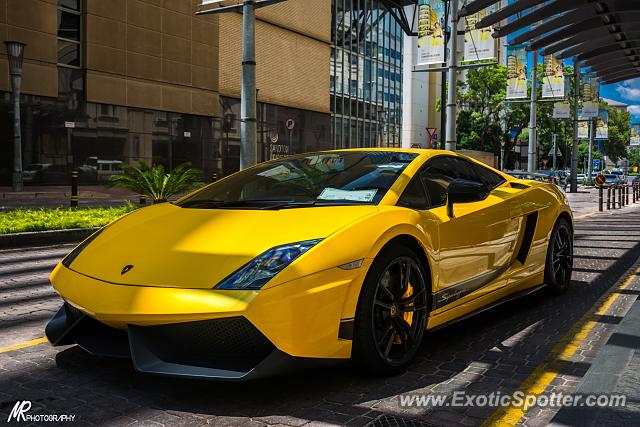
x,y
319,179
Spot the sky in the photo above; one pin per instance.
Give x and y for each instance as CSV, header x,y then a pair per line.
x,y
627,92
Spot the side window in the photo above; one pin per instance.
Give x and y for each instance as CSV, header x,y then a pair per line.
x,y
488,178
436,176
440,171
413,196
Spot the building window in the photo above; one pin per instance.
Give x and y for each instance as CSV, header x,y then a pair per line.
x,y
69,33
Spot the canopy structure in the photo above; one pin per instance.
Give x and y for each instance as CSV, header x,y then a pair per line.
x,y
602,34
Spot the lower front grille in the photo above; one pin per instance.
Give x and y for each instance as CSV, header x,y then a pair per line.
x,y
232,344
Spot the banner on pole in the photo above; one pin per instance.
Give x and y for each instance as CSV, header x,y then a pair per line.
x,y
517,80
562,110
583,128
590,96
602,125
431,39
635,135
553,81
479,45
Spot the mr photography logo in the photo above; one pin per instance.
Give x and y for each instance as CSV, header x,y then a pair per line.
x,y
20,413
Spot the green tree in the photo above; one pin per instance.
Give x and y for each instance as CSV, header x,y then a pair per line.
x,y
633,154
155,183
619,134
486,121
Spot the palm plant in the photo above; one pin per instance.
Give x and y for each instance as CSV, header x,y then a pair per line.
x,y
155,183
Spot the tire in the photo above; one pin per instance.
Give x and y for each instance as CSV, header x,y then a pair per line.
x,y
392,312
559,262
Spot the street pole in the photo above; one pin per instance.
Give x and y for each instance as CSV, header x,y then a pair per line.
x,y
533,114
248,107
452,65
15,56
589,169
576,111
555,151
443,111
16,82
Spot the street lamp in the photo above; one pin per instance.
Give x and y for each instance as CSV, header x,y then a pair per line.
x,y
15,55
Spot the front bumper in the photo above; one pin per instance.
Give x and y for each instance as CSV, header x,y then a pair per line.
x,y
229,349
231,335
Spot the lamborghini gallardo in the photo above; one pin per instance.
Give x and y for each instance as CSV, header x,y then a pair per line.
x,y
349,254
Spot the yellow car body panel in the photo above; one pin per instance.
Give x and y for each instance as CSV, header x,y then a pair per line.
x,y
181,254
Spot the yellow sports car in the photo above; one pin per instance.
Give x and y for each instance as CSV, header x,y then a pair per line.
x,y
349,254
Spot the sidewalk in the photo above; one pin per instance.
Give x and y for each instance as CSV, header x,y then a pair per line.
x,y
615,371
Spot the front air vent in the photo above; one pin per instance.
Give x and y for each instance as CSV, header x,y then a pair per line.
x,y
519,186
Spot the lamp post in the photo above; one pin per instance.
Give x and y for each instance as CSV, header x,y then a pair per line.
x,y
248,101
15,55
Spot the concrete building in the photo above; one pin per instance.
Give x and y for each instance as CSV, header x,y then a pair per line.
x,y
129,80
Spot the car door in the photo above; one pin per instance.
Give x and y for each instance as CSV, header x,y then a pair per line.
x,y
476,246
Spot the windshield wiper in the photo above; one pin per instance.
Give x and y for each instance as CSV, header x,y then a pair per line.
x,y
264,204
221,204
310,204
203,204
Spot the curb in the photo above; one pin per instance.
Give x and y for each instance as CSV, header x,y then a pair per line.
x,y
611,365
44,238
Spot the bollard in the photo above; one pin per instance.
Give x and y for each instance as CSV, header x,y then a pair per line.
x,y
620,198
626,193
608,198
214,177
74,188
143,199
600,198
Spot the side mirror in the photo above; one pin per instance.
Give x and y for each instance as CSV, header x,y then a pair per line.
x,y
463,191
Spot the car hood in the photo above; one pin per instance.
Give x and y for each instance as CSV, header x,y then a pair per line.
x,y
169,246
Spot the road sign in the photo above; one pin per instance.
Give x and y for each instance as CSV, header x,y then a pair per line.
x,y
600,179
69,125
433,137
290,124
596,164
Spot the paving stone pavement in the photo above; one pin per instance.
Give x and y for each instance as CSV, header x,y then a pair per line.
x,y
493,352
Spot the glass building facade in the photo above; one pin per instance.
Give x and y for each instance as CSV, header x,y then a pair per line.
x,y
366,75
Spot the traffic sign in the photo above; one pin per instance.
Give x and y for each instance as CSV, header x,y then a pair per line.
x,y
596,164
600,179
290,123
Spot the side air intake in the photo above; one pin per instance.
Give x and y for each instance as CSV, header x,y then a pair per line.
x,y
527,238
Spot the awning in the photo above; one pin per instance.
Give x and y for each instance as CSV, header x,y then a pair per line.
x,y
603,34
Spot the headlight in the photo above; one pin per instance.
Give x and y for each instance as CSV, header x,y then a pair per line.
x,y
74,253
261,269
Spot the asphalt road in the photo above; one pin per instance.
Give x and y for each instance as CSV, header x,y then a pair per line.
x,y
497,351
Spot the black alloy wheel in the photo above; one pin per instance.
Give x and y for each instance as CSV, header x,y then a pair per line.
x,y
559,266
392,312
